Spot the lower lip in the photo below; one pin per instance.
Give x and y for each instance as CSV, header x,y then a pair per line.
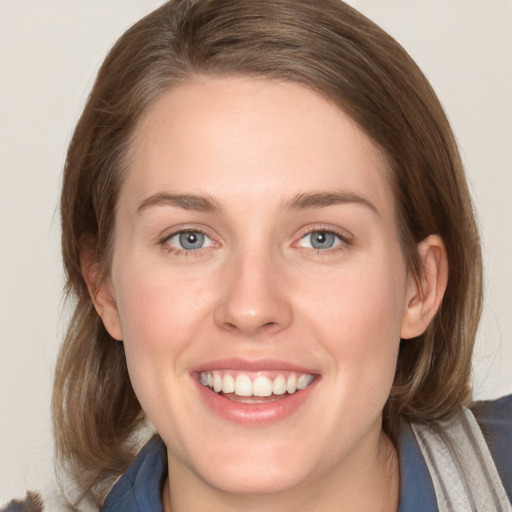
x,y
257,414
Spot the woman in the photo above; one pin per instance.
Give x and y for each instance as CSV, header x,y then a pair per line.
x,y
269,235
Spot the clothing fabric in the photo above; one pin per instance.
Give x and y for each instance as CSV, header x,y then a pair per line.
x,y
138,490
461,466
417,487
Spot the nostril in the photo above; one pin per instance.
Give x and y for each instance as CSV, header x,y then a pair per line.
x,y
247,311
230,327
252,330
270,327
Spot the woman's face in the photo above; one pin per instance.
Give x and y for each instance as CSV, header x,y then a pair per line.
x,y
256,251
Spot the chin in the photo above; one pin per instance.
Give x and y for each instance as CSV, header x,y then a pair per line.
x,y
255,479
255,466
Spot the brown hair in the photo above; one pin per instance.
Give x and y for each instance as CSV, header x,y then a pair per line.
x,y
332,49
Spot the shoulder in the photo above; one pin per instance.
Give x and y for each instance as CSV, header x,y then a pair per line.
x,y
494,414
495,420
417,486
138,489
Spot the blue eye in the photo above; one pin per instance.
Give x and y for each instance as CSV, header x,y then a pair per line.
x,y
189,240
320,240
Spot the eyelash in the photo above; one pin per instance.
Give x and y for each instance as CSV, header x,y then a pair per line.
x,y
164,242
344,241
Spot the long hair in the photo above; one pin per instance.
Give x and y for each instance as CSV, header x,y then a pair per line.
x,y
332,49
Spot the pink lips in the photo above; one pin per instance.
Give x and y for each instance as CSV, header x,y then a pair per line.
x,y
252,366
253,414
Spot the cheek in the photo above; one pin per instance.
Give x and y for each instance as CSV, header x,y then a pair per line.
x,y
357,318
366,305
157,308
160,315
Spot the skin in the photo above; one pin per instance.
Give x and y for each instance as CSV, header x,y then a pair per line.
x,y
258,290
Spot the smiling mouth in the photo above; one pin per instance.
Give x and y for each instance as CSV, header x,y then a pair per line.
x,y
255,387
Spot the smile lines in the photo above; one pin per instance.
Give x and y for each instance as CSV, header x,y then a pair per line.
x,y
244,384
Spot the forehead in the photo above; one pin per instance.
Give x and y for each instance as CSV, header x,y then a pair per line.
x,y
251,140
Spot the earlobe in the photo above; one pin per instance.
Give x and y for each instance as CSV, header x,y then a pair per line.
x,y
101,291
425,294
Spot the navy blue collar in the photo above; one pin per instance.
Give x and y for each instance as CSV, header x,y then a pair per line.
x,y
416,488
138,490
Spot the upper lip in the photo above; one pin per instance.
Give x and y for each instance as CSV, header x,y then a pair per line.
x,y
253,365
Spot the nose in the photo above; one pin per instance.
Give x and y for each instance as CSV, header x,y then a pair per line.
x,y
253,299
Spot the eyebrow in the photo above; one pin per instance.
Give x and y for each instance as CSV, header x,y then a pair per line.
x,y
322,199
195,202
302,201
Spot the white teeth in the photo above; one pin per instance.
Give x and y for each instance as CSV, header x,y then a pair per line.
x,y
261,386
243,385
228,384
217,382
304,381
279,385
291,383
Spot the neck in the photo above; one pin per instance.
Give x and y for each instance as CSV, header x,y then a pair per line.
x,y
371,487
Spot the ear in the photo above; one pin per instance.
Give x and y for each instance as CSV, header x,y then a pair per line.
x,y
425,294
102,293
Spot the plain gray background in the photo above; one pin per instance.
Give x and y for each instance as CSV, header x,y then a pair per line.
x,y
49,53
